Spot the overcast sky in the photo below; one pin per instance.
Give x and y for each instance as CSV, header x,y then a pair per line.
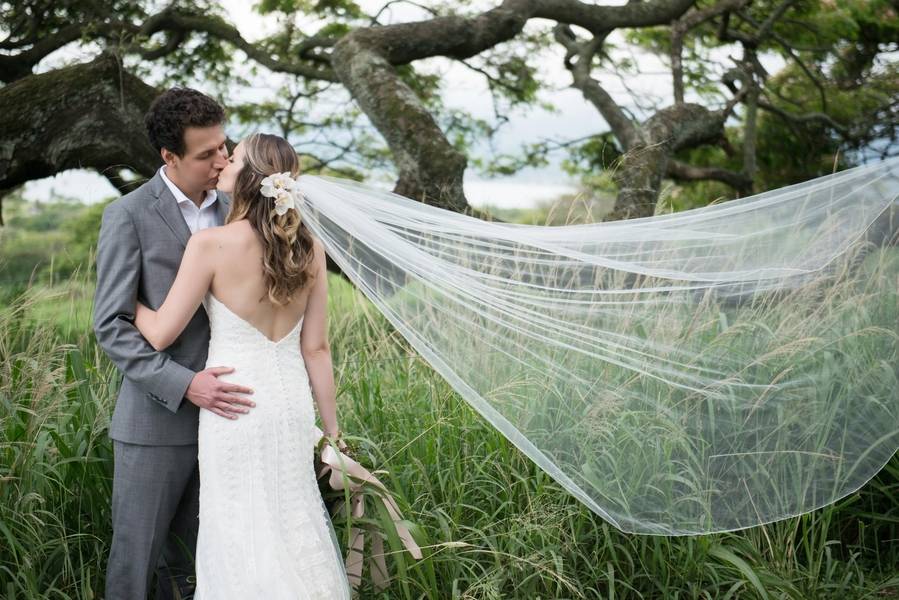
x,y
463,89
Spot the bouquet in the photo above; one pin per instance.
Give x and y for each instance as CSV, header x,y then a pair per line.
x,y
344,485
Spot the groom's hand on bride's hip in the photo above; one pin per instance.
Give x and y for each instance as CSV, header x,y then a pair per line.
x,y
207,391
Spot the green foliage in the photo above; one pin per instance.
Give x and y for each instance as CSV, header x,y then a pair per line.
x,y
462,129
511,70
784,147
585,206
346,9
595,154
47,241
493,525
203,58
83,230
827,48
533,155
831,39
334,29
18,18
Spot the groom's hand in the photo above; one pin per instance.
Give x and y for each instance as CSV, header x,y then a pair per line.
x,y
206,391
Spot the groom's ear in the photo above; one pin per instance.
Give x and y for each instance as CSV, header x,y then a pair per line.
x,y
168,157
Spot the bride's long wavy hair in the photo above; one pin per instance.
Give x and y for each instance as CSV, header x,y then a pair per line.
x,y
287,251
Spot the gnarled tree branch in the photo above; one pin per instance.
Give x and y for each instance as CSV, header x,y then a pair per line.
x,y
429,167
84,116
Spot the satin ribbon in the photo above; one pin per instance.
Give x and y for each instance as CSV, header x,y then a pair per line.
x,y
345,470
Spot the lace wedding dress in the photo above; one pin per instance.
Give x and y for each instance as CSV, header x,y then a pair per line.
x,y
264,530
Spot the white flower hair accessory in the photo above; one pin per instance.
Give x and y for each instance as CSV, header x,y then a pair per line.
x,y
283,188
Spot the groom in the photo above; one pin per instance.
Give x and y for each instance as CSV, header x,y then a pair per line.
x,y
156,480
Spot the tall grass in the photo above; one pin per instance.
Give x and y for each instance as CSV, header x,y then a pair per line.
x,y
492,525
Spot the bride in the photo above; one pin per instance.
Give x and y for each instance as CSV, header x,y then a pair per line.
x,y
264,531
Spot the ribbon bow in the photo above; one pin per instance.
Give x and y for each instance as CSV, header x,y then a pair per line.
x,y
344,470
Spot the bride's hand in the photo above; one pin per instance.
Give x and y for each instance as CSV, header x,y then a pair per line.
x,y
341,443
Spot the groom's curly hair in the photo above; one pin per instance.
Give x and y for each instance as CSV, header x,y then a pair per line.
x,y
175,110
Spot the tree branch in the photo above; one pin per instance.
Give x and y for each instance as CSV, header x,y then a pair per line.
x,y
215,26
809,117
679,29
179,25
593,92
82,116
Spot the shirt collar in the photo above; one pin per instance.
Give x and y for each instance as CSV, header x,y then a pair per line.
x,y
211,195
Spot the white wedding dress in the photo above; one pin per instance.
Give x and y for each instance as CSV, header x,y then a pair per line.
x,y
264,529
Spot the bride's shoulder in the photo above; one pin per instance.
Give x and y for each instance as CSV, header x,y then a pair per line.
x,y
318,249
218,237
206,236
235,232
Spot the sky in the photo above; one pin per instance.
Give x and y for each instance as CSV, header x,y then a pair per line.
x,y
464,90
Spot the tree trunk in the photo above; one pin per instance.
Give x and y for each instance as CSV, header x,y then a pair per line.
x,y
430,168
641,168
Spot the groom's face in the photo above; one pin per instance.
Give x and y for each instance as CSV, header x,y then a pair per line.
x,y
205,156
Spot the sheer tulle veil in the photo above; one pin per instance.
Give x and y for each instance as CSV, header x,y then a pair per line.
x,y
687,373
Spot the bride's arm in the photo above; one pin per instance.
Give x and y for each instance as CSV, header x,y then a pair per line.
x,y
315,348
161,327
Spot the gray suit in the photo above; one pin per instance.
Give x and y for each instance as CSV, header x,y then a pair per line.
x,y
155,497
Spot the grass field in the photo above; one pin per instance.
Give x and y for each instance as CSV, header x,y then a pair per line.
x,y
491,524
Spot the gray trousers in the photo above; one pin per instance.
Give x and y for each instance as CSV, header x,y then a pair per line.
x,y
155,517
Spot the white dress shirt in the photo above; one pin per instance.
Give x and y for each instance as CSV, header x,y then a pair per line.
x,y
196,218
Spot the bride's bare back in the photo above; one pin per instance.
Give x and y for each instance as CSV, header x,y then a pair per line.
x,y
238,283
226,261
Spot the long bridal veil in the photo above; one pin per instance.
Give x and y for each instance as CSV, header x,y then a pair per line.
x,y
686,373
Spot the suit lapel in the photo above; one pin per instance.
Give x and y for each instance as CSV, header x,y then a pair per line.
x,y
168,209
222,207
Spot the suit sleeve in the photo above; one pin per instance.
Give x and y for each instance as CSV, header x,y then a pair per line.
x,y
115,299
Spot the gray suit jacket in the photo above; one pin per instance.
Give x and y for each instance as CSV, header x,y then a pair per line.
x,y
142,239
